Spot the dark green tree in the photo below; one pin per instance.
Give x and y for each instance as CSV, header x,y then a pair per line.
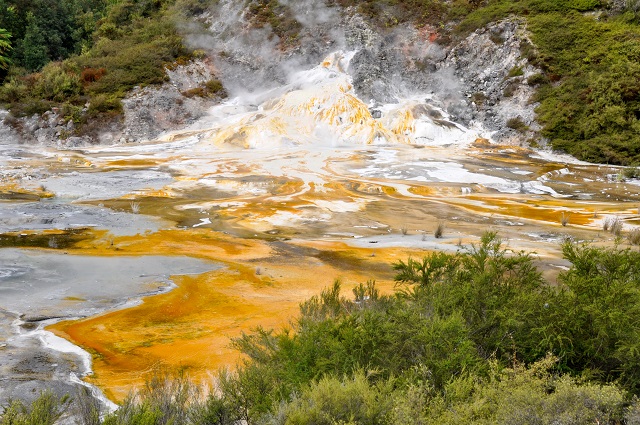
x,y
32,48
5,48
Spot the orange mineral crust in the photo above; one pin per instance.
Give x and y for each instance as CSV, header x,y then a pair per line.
x,y
190,327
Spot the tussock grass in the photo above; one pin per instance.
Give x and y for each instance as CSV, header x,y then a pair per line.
x,y
612,225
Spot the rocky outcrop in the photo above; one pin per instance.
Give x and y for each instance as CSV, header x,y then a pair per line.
x,y
8,134
492,76
150,111
480,80
147,112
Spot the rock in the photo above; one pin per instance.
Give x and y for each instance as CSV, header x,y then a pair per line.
x,y
151,111
8,134
471,80
375,113
489,62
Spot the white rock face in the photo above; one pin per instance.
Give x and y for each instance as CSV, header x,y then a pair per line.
x,y
493,78
319,107
8,135
477,83
150,111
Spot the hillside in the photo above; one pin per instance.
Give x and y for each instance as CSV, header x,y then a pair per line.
x,y
573,79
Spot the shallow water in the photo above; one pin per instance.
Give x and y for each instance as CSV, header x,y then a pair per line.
x,y
41,287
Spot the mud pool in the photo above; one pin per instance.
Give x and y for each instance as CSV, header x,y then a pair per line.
x,y
116,261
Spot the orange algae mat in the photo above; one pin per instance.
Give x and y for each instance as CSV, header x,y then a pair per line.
x,y
190,327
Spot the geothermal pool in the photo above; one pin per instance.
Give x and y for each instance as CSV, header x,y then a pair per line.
x,y
116,261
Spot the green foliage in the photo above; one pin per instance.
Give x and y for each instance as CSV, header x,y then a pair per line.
x,y
631,173
329,401
592,324
165,400
211,88
473,337
496,10
131,45
498,293
537,79
516,71
46,30
526,396
593,112
517,124
32,50
135,55
57,82
390,12
336,336
45,410
5,48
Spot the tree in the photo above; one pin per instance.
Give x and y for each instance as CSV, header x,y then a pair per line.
x,y
33,50
5,47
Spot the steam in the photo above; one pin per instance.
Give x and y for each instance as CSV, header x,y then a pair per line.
x,y
400,63
312,13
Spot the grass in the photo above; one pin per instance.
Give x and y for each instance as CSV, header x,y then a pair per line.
x,y
564,218
135,207
439,231
613,225
634,236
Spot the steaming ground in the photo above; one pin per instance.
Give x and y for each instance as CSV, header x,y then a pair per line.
x,y
287,190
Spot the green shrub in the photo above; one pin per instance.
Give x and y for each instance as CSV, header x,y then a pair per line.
x,y
329,401
45,410
13,90
102,103
516,71
165,399
631,173
526,396
590,323
537,79
57,83
133,43
517,124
